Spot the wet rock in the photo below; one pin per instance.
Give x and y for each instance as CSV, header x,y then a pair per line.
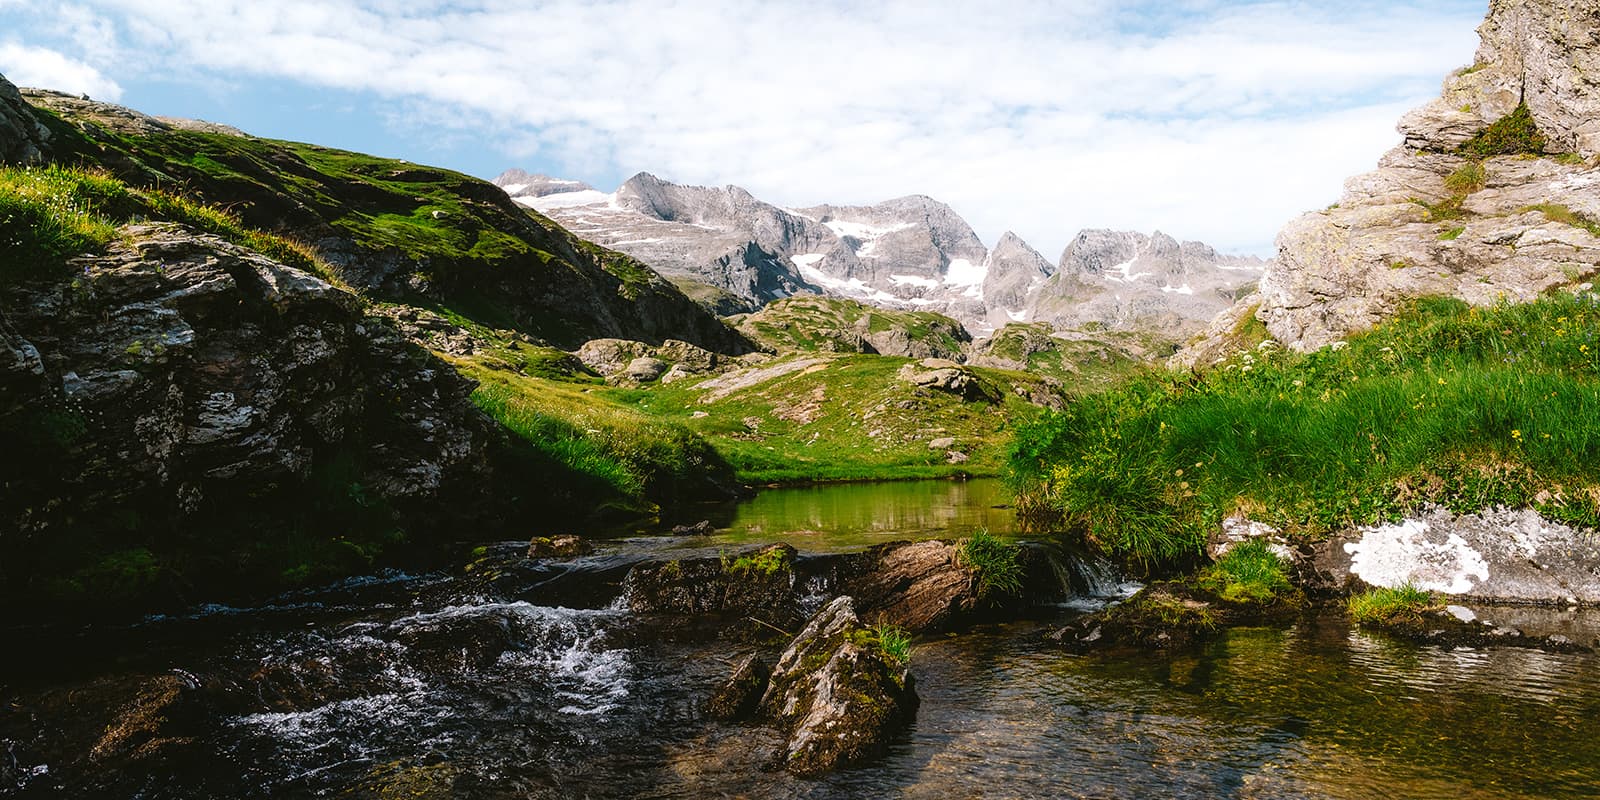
x,y
921,586
1162,616
1449,629
840,700
165,712
759,581
739,695
558,547
701,528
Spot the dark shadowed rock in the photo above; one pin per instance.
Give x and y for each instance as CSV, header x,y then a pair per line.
x,y
739,695
23,141
759,581
180,382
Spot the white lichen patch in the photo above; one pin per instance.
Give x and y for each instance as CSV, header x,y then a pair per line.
x,y
1395,555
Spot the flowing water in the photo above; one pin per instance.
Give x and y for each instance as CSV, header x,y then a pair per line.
x,y
533,684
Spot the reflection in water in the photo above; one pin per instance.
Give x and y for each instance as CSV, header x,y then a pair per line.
x,y
855,515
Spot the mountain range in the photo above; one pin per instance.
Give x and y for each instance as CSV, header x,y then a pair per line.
x,y
728,247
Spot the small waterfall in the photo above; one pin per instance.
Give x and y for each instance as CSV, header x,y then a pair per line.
x,y
1080,579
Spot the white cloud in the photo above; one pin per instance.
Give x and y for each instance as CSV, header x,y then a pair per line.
x,y
48,69
1209,119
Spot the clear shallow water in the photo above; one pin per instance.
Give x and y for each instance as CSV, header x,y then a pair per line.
x,y
434,686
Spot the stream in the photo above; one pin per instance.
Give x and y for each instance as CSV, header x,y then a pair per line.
x,y
518,680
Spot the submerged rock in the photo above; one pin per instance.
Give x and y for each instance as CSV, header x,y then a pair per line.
x,y
838,696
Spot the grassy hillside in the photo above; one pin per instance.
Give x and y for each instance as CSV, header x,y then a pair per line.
x,y
838,325
1445,404
393,230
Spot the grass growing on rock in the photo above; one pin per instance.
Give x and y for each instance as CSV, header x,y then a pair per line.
x,y
1405,604
1248,573
1513,134
891,642
997,564
766,562
1444,404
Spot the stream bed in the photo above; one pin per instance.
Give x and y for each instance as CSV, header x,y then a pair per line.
x,y
537,685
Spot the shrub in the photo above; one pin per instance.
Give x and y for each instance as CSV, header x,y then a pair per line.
x,y
996,564
1512,134
1248,573
1390,606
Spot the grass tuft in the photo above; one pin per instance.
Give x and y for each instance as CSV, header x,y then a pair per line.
x,y
997,564
1248,573
1468,178
1405,604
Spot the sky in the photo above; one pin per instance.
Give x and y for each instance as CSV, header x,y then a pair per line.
x,y
1210,120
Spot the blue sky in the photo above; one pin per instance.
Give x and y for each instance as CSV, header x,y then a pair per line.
x,y
1211,120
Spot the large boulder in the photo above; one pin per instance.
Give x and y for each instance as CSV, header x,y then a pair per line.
x,y
836,693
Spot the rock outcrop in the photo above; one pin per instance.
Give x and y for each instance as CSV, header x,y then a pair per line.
x,y
836,693
1490,198
179,382
1496,555
23,139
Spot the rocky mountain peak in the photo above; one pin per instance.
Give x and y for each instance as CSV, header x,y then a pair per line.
x,y
519,183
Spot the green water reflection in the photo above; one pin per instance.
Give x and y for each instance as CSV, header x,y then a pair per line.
x,y
852,516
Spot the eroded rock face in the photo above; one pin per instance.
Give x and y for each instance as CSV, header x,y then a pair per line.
x,y
839,698
23,141
179,378
1495,555
1409,230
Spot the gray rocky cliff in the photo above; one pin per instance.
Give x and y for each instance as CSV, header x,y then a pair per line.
x,y
1436,219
